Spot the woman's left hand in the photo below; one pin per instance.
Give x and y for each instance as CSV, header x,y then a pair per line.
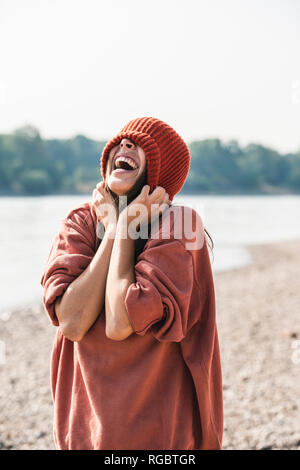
x,y
148,206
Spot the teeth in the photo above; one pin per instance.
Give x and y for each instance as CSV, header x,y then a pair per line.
x,y
127,160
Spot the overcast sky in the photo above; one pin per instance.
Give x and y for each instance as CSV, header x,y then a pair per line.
x,y
209,68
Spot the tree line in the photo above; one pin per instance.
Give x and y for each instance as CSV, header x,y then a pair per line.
x,y
31,165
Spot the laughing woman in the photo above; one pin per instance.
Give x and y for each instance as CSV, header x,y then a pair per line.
x,y
136,362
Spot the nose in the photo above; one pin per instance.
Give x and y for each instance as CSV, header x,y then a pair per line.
x,y
127,144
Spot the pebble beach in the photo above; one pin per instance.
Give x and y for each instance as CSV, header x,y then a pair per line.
x,y
259,333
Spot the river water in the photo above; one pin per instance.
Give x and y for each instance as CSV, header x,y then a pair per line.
x,y
29,225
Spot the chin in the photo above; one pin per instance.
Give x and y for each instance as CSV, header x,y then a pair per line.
x,y
123,187
119,188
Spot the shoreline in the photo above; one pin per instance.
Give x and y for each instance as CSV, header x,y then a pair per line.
x,y
258,323
276,192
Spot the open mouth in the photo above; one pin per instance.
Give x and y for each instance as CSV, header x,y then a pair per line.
x,y
125,163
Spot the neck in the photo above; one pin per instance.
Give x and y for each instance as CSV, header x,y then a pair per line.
x,y
121,203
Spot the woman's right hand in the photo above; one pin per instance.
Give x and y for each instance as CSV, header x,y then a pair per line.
x,y
104,206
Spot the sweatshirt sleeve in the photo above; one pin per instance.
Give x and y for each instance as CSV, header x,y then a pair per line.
x,y
160,298
71,252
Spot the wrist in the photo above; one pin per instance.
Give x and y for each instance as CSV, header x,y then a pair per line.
x,y
123,229
110,230
124,219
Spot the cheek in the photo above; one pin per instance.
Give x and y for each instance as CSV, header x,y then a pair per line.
x,y
107,170
109,161
145,166
143,161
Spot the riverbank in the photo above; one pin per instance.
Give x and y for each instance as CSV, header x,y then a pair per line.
x,y
265,190
258,321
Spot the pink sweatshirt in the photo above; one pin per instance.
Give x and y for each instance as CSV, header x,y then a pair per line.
x,y
160,388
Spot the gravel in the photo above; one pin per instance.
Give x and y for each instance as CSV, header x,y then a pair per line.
x,y
259,333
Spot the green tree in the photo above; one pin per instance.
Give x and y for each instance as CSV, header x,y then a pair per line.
x,y
34,182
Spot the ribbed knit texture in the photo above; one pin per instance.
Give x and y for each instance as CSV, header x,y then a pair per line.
x,y
167,155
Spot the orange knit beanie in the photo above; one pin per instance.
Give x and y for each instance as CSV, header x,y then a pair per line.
x,y
167,155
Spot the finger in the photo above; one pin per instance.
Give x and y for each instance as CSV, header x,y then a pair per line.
x,y
101,188
166,199
158,190
96,193
162,207
145,191
94,202
157,210
162,197
157,194
97,199
94,196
